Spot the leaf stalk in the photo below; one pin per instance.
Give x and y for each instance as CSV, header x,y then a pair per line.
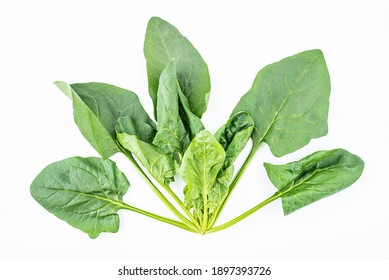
x,y
245,214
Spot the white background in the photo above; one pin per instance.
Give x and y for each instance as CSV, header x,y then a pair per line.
x,y
82,41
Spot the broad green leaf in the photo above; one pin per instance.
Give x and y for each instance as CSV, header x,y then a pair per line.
x,y
172,135
130,125
97,107
201,163
316,176
288,102
92,129
234,135
85,192
160,165
163,42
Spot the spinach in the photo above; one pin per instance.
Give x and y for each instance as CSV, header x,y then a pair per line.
x,y
285,108
314,177
85,192
200,167
289,101
163,42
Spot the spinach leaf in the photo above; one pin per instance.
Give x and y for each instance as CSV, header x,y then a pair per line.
x,y
288,102
201,164
160,165
314,177
234,135
177,125
85,192
163,42
219,191
97,107
130,125
192,122
172,135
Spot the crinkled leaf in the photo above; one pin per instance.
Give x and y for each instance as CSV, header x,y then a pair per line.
x,y
288,102
84,192
220,190
172,135
160,165
163,42
316,176
234,135
97,107
201,163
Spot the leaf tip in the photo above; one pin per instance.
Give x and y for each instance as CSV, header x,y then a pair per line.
x,y
93,235
155,20
64,87
314,52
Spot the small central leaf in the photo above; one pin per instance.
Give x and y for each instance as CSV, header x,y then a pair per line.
x,y
201,164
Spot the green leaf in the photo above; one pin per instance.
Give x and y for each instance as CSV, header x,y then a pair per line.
x,y
163,42
130,125
92,129
288,102
97,107
177,125
201,163
190,120
316,176
172,135
160,165
220,190
234,135
85,192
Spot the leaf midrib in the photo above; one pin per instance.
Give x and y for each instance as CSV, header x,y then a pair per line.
x,y
284,102
273,120
110,201
293,187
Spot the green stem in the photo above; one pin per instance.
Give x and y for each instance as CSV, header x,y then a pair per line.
x,y
233,185
179,202
245,214
157,217
158,193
